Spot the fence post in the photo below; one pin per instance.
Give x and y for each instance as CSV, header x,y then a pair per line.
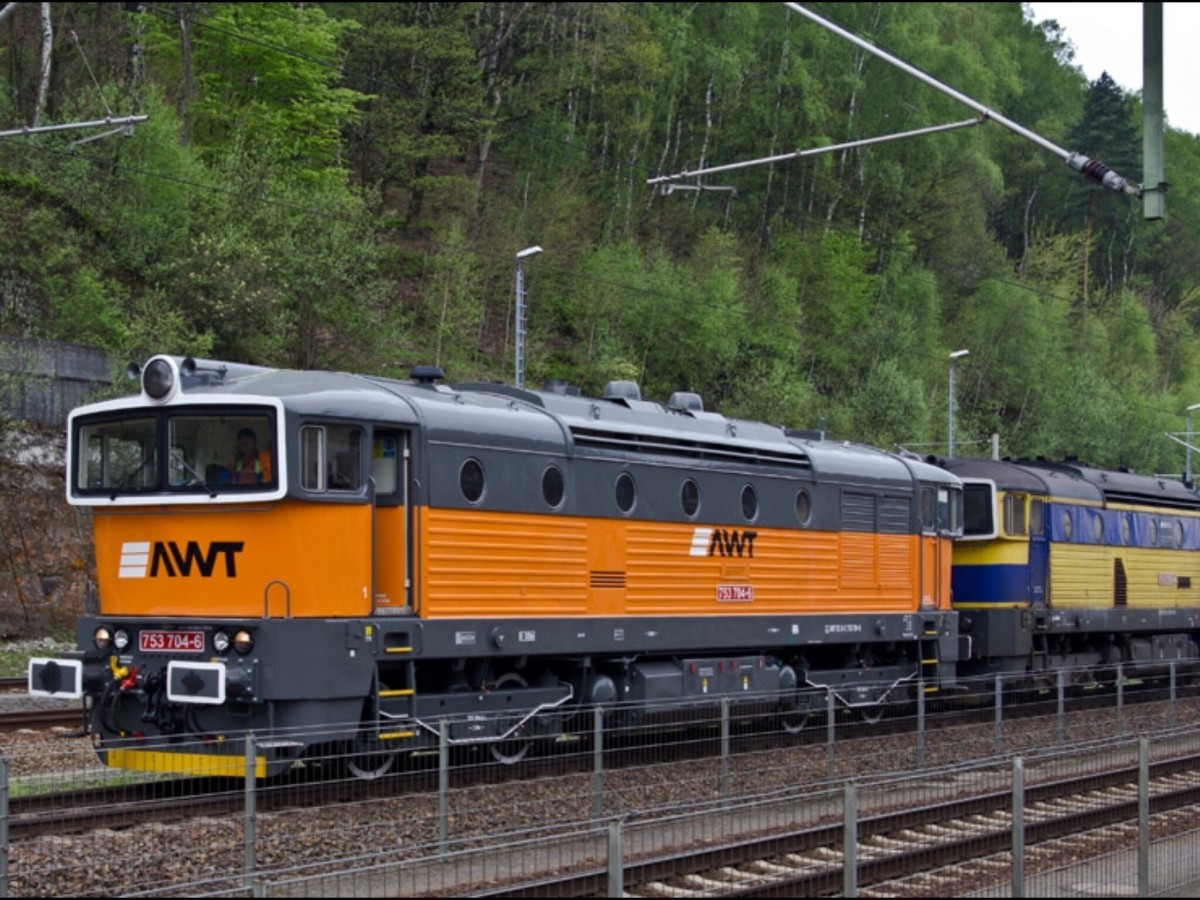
x,y
850,841
597,762
1018,827
921,724
1174,721
248,829
616,862
1143,818
724,748
830,729
443,785
1062,715
4,825
999,739
1120,699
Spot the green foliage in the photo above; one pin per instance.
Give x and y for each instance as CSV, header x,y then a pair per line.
x,y
345,185
267,76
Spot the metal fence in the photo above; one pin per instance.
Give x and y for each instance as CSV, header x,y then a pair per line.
x,y
626,796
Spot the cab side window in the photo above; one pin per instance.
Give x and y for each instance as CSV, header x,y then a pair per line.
x,y
1014,514
331,458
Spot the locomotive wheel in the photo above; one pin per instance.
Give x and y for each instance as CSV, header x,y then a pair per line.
x,y
369,765
872,714
509,751
793,721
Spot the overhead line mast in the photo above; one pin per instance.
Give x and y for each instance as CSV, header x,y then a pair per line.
x,y
1091,169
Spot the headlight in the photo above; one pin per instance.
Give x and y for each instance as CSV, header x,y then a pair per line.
x,y
158,379
243,642
221,642
102,637
120,639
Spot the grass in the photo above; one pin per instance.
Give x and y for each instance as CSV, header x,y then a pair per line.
x,y
15,655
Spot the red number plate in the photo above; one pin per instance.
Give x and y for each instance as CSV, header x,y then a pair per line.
x,y
171,641
735,593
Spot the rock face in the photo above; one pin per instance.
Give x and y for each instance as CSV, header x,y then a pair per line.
x,y
46,563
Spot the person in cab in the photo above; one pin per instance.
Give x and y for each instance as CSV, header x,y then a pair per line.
x,y
249,464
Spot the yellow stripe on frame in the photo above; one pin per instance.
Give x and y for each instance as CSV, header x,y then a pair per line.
x,y
198,765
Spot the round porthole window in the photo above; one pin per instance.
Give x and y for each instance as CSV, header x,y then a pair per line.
x,y
1178,534
1068,527
803,507
626,492
749,503
553,487
1098,528
471,480
1126,530
1152,533
689,497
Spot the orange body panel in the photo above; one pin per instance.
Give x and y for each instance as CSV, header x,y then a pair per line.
x,y
935,572
224,563
391,560
497,564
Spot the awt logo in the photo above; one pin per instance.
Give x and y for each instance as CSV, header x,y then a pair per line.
x,y
141,559
722,542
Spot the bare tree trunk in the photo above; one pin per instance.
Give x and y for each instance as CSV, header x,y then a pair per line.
x,y
134,70
6,10
708,127
44,81
490,74
185,94
1025,230
766,203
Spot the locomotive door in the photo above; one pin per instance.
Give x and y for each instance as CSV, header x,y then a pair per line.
x,y
932,551
392,550
1039,553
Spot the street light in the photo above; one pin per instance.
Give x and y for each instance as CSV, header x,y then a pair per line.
x,y
1187,442
520,314
957,354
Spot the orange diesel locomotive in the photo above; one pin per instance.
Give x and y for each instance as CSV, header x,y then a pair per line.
x,y
396,557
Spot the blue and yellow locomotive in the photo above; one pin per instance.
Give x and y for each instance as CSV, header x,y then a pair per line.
x,y
1065,566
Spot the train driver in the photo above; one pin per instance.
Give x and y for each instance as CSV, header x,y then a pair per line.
x,y
249,464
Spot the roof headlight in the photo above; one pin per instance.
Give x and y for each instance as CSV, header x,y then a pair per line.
x,y
243,642
120,639
102,637
158,379
221,642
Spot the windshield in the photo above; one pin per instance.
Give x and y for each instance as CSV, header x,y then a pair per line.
x,y
169,451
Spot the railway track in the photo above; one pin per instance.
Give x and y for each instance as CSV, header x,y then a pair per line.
x,y
963,840
40,719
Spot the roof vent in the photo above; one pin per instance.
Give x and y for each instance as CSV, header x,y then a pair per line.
x,y
686,401
622,390
558,386
426,374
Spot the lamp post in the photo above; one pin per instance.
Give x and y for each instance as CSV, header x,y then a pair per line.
x,y
957,354
520,314
1187,442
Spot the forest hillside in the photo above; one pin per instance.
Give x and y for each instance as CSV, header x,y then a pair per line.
x,y
347,185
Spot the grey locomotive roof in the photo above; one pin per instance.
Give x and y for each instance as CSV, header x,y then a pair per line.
x,y
1121,487
552,421
1076,481
1007,477
843,458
